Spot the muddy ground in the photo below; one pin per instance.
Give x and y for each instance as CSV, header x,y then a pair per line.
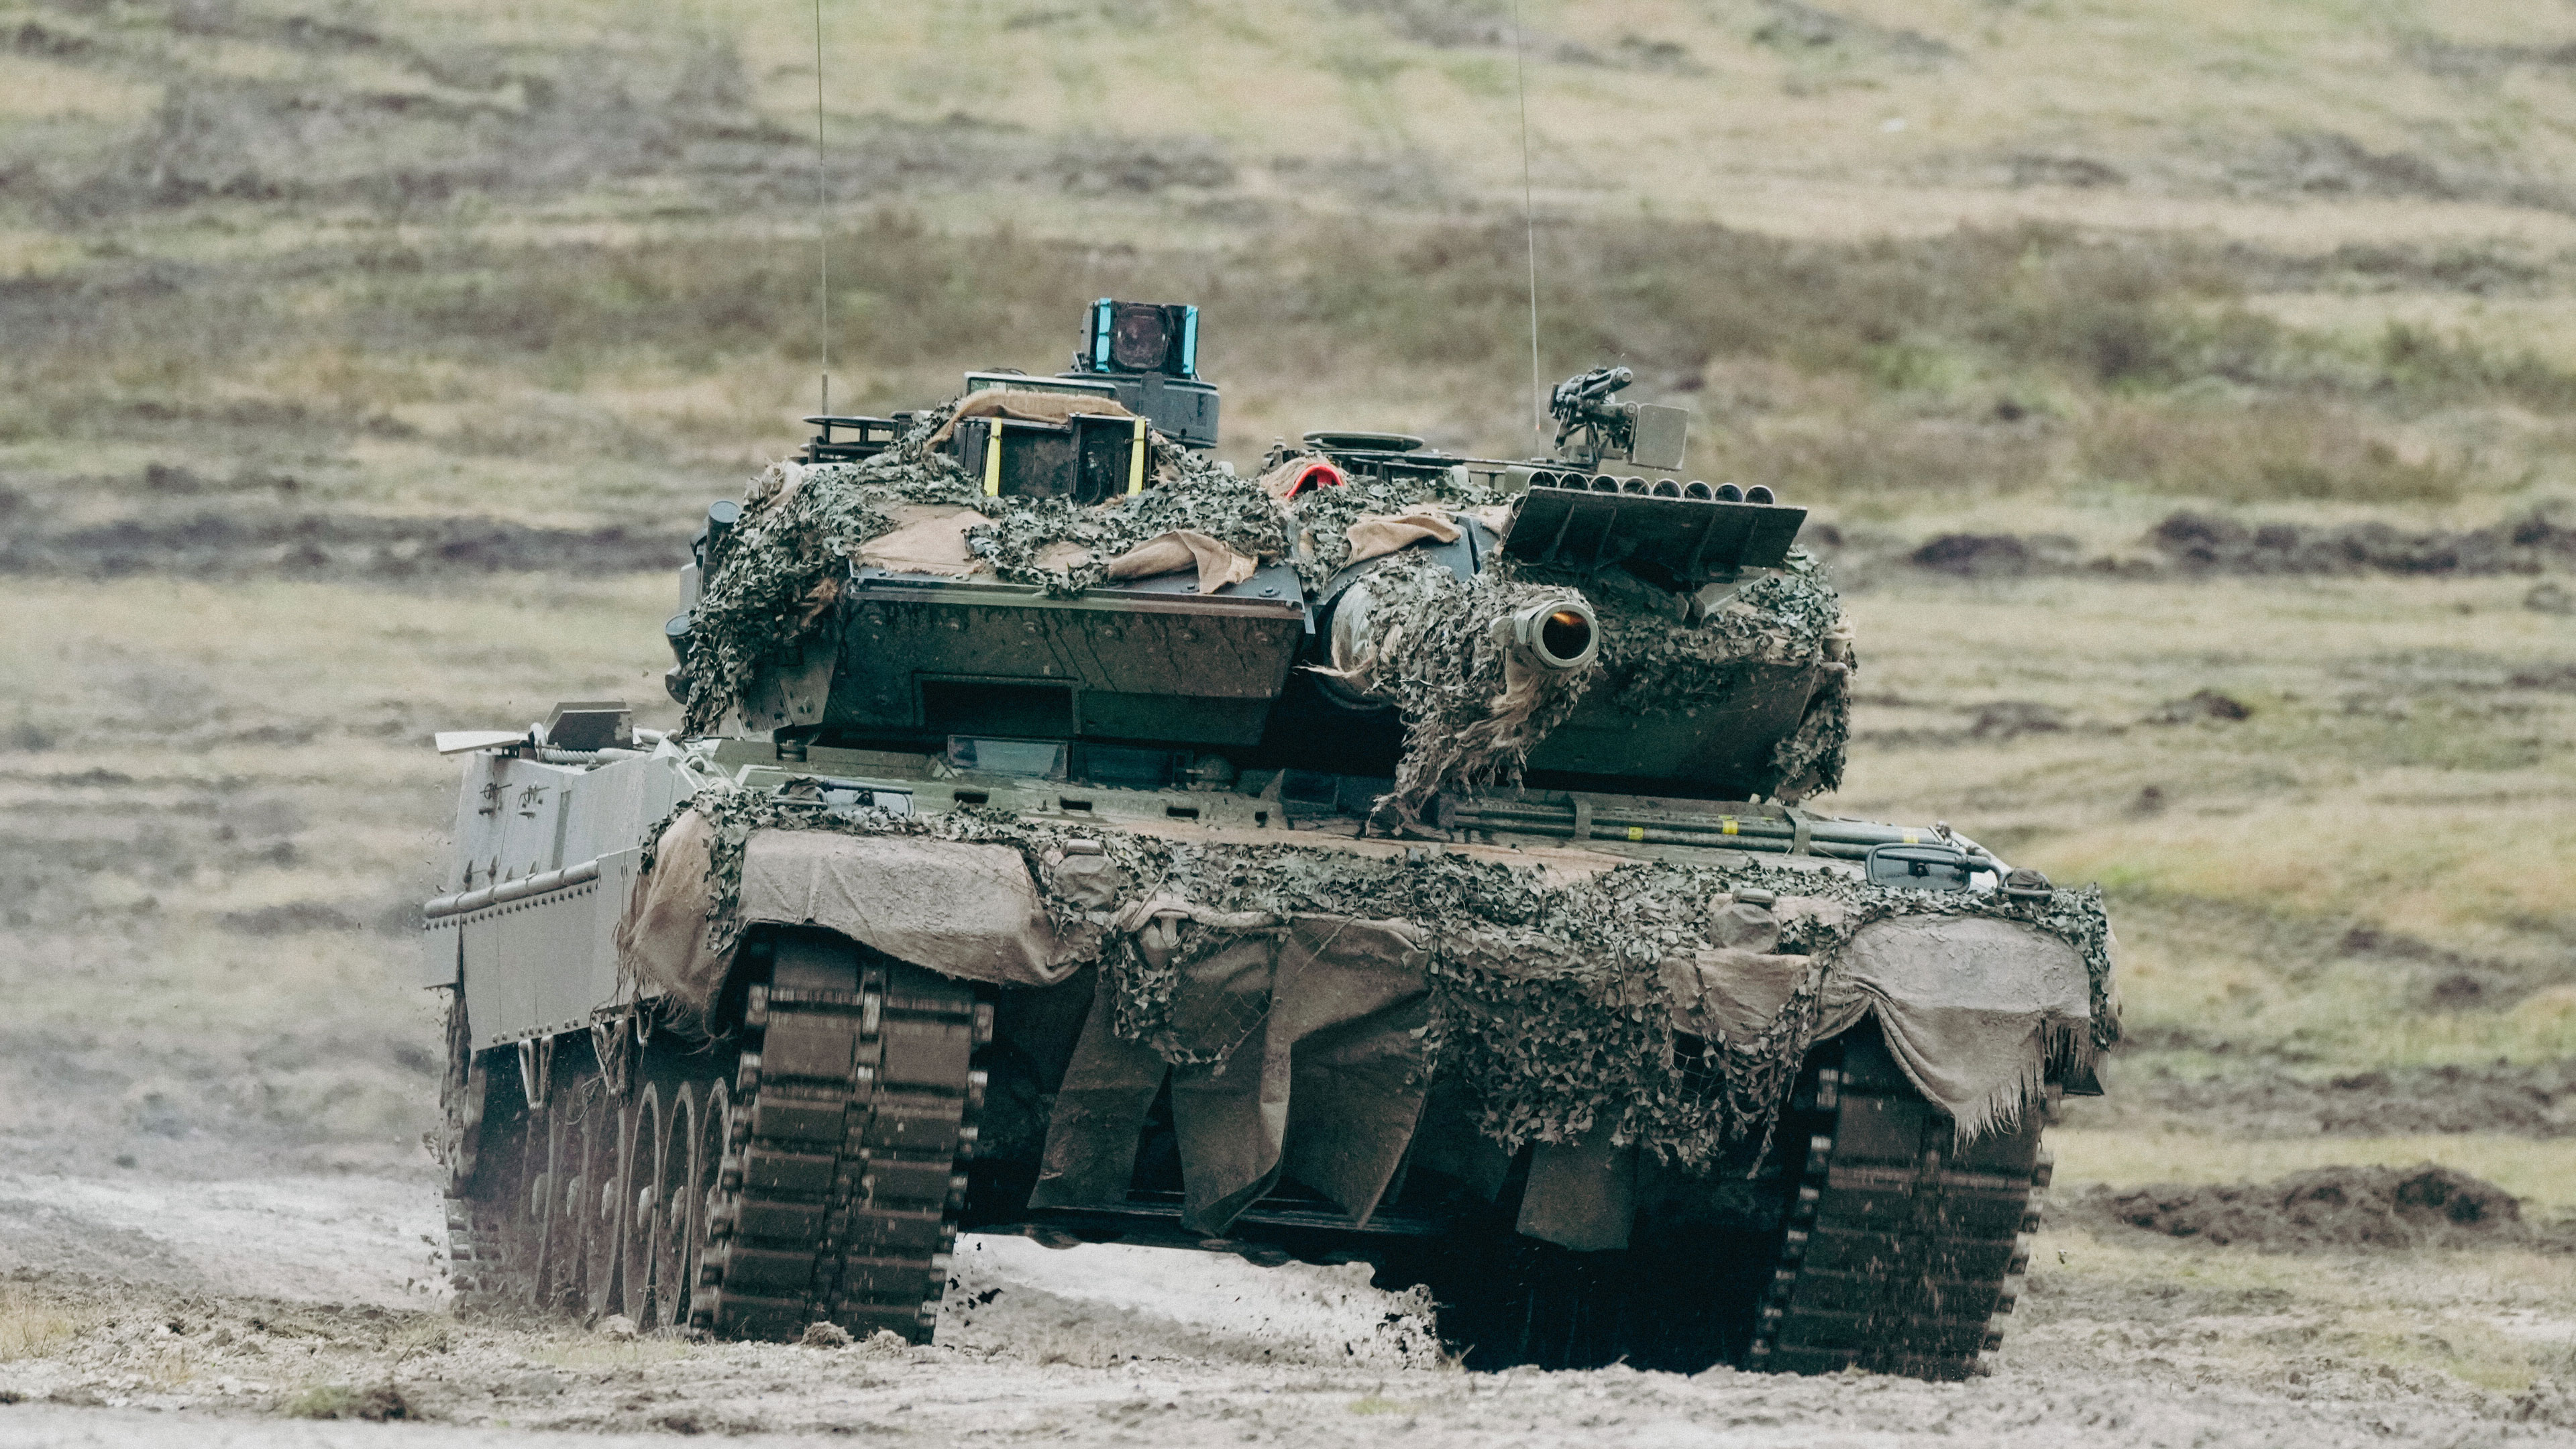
x,y
233,1312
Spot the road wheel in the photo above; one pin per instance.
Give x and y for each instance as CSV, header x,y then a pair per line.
x,y
642,1200
603,1204
676,1207
707,1199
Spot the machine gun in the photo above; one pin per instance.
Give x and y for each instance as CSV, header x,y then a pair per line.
x,y
1636,432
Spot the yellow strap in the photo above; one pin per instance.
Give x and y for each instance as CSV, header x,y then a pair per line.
x,y
1913,839
1636,832
1726,824
1136,460
993,460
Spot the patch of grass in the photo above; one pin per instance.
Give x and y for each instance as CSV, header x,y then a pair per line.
x,y
422,1336
2540,1171
2271,450
2222,982
377,1404
2475,1353
207,739
2420,360
2475,882
1967,364
32,1326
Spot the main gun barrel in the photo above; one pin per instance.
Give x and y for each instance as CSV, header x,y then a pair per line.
x,y
1557,636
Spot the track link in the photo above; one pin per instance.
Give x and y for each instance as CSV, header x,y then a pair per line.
x,y
477,1255
1903,1250
852,1119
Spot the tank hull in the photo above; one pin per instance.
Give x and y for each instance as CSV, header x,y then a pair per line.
x,y
804,1144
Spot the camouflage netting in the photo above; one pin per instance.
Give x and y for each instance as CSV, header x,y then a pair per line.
x,y
1191,494
777,575
1547,1000
1320,519
1654,660
1810,758
1472,707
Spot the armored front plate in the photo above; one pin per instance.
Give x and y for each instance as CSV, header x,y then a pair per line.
x,y
1721,743
1152,660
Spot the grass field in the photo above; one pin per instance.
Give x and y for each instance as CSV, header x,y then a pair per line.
x,y
558,265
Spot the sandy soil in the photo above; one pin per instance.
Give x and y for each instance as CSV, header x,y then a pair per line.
x,y
216,1313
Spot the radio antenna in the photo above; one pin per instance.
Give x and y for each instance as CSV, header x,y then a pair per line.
x,y
822,223
1529,222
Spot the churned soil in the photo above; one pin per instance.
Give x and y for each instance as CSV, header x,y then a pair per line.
x,y
2523,1100
231,1321
2188,542
2329,1208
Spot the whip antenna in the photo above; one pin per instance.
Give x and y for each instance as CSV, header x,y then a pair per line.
x,y
822,223
1529,222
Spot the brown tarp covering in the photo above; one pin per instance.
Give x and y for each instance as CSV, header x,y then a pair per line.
x,y
926,539
1374,535
1062,556
965,909
1581,1194
1323,1080
1180,549
1721,992
662,938
1312,1024
1030,406
1970,1005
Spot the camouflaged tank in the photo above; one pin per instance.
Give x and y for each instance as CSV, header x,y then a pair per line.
x,y
1380,853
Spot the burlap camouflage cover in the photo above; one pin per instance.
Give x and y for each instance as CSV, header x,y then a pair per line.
x,y
1305,996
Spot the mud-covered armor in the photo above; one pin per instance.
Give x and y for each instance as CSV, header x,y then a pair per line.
x,y
1383,853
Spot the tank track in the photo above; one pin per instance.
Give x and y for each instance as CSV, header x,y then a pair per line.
x,y
477,1255
1902,1251
810,1166
852,1119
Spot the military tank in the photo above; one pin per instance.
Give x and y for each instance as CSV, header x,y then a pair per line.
x,y
1384,854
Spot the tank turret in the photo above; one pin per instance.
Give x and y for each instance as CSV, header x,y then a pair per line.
x,y
1714,645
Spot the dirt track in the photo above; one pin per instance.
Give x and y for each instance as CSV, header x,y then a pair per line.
x,y
200,1311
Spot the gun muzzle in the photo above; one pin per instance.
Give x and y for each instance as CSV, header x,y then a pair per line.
x,y
1558,636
